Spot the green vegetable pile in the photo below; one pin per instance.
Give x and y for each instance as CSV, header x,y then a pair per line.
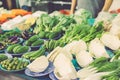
x,y
34,41
14,64
117,55
34,54
50,27
104,65
52,44
2,45
6,35
17,49
82,31
3,57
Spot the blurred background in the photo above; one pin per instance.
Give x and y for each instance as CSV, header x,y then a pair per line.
x,y
34,5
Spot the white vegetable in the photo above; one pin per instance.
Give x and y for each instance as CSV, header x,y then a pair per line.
x,y
96,76
84,58
76,46
115,29
39,64
106,18
85,72
111,41
64,69
97,49
67,53
54,53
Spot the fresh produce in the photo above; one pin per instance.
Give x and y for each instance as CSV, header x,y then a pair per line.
x,y
17,49
115,29
33,38
97,49
13,39
34,41
52,44
96,76
106,18
110,70
38,42
3,57
82,15
14,64
22,49
10,48
20,12
53,25
48,35
39,64
64,69
2,45
82,31
111,41
84,58
54,53
76,46
103,65
26,34
6,15
113,75
22,26
10,37
116,56
34,54
31,20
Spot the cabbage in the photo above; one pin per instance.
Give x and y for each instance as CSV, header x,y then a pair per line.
x,y
111,41
76,46
115,29
84,58
39,64
97,49
64,69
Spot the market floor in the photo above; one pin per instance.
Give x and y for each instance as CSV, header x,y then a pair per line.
x,y
9,77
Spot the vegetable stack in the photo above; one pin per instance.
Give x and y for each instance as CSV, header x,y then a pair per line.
x,y
14,64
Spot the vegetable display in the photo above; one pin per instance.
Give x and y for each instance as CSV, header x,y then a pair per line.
x,y
17,49
34,54
50,27
77,47
5,37
14,64
52,44
3,57
36,67
2,46
34,41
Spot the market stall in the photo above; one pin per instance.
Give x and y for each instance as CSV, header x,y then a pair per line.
x,y
60,46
